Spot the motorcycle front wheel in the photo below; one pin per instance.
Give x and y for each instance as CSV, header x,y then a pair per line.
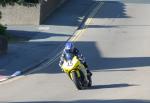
x,y
90,81
76,80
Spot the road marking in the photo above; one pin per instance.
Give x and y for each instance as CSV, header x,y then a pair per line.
x,y
44,28
3,78
87,22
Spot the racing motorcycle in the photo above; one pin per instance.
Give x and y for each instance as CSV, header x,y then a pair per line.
x,y
76,72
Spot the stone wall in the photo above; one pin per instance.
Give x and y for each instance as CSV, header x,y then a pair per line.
x,y
28,15
20,15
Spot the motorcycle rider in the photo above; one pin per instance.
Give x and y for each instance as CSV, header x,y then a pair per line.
x,y
70,48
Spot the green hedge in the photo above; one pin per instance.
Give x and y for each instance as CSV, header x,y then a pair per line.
x,y
11,2
2,30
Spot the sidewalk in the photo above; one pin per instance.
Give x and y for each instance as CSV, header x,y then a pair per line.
x,y
44,40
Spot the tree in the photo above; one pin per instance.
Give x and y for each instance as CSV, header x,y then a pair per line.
x,y
2,28
3,39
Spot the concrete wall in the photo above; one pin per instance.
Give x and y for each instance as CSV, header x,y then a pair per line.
x,y
28,15
20,15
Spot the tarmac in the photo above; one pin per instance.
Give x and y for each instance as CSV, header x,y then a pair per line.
x,y
44,42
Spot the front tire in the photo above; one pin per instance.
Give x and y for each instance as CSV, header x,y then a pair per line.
x,y
90,81
76,80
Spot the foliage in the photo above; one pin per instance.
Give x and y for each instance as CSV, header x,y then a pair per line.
x,y
11,2
2,29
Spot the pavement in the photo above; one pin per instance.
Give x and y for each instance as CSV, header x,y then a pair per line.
x,y
42,43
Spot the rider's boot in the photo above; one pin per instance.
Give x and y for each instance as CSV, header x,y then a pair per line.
x,y
89,73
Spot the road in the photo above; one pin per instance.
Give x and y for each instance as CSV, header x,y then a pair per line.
x,y
116,46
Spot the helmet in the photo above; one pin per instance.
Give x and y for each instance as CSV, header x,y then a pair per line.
x,y
69,46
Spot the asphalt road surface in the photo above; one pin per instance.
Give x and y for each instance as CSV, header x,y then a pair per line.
x,y
116,45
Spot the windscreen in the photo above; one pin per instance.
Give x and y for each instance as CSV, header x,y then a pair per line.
x,y
69,56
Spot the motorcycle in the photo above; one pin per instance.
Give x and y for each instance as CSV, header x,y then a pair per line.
x,y
76,72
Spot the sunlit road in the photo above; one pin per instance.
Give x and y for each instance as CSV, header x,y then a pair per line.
x,y
117,47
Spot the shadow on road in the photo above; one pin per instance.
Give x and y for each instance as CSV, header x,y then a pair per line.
x,y
71,13
93,56
97,62
115,63
28,35
111,10
91,52
90,101
89,48
111,86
